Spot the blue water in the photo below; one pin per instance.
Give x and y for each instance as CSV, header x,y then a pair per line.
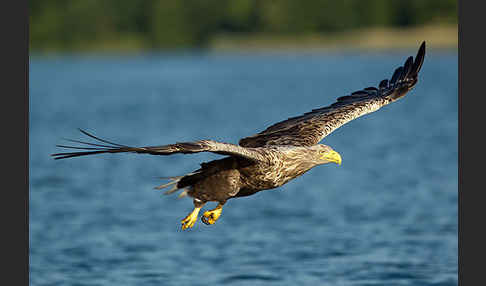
x,y
386,216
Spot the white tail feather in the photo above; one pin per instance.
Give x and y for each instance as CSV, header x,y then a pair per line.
x,y
174,181
166,185
173,189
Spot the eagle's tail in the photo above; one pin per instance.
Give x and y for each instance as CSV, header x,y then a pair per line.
x,y
174,182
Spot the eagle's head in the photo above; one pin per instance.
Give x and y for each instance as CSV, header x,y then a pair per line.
x,y
323,154
307,157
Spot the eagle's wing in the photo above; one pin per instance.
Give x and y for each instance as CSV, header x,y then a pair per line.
x,y
184,147
310,128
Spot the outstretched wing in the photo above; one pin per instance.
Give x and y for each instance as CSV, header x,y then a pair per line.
x,y
185,148
310,128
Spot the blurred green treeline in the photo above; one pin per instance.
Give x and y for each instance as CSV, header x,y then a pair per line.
x,y
170,24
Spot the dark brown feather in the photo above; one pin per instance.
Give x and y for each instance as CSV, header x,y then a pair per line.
x,y
183,147
311,127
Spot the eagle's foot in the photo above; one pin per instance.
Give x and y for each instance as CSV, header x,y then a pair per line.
x,y
210,217
190,219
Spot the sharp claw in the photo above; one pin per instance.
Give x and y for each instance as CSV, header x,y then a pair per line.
x,y
187,225
210,217
204,220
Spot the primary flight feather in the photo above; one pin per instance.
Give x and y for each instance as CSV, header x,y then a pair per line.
x,y
270,158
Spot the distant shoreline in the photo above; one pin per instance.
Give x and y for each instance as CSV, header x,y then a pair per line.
x,y
437,37
369,39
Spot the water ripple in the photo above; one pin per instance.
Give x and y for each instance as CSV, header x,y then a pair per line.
x,y
386,216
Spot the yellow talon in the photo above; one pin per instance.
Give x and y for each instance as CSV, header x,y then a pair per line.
x,y
210,217
190,220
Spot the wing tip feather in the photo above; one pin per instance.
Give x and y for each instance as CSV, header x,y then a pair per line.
x,y
419,60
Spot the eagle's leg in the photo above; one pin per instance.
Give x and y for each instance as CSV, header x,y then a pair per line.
x,y
211,216
190,219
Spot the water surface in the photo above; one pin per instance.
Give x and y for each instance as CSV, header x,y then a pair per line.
x,y
386,216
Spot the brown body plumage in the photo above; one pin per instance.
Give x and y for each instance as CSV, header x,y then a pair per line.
x,y
230,177
272,157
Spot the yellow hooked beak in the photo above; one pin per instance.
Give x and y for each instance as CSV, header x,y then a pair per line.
x,y
332,156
